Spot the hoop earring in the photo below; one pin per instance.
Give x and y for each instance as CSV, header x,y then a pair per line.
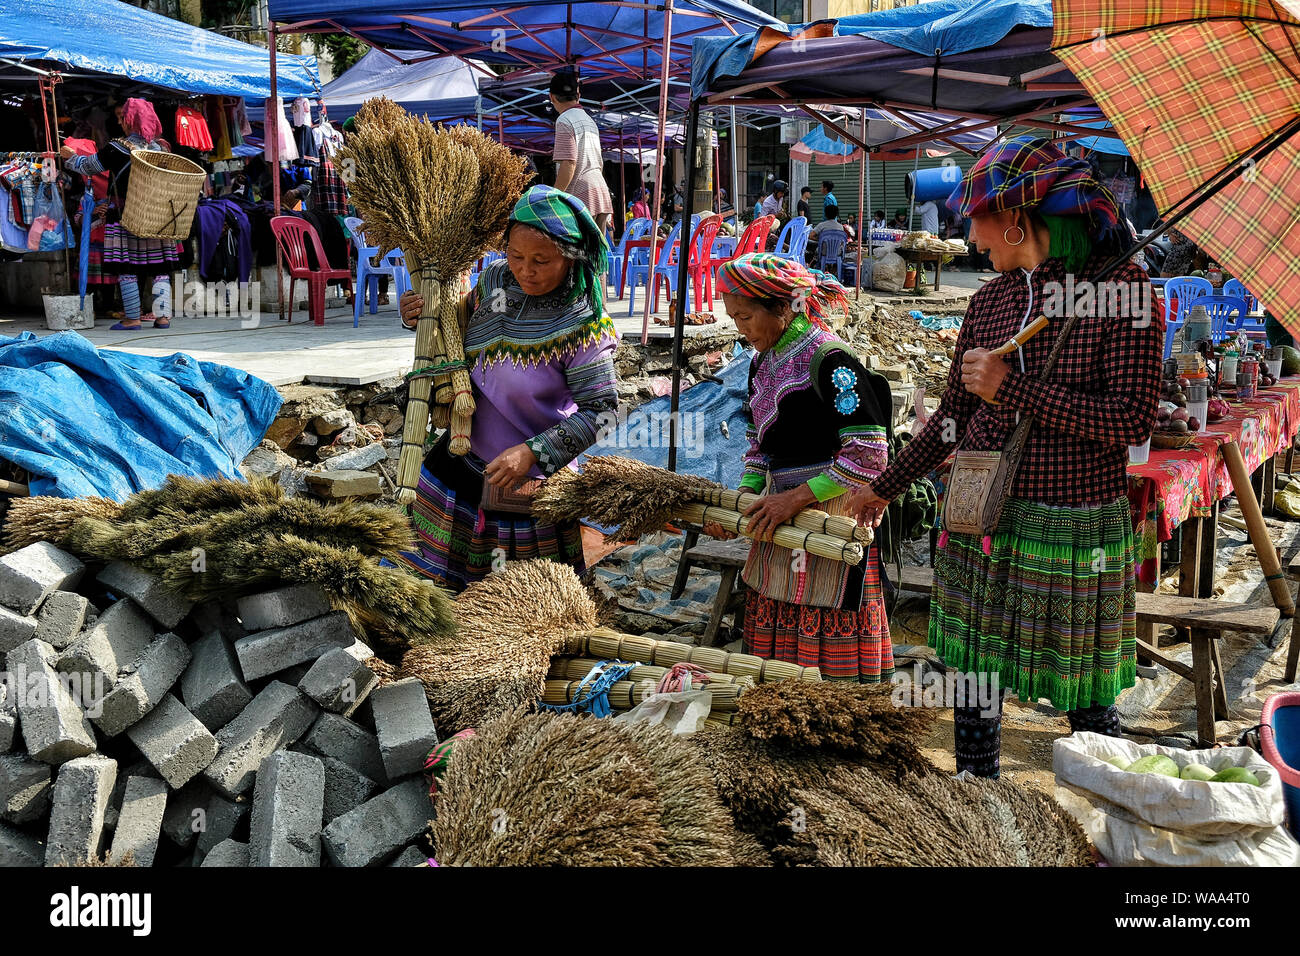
x,y
1008,241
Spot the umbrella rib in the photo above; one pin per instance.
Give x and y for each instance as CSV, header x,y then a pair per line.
x,y
1269,50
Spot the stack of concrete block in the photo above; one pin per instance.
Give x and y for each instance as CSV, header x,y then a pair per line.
x,y
157,732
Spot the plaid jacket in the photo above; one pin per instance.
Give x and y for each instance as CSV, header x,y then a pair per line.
x,y
1100,397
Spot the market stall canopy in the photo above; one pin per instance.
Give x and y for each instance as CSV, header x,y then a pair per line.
x,y
421,83
610,39
118,39
989,60
1207,96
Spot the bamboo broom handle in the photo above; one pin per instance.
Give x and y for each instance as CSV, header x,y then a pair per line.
x,y
15,488
462,404
416,427
810,519
1264,548
823,545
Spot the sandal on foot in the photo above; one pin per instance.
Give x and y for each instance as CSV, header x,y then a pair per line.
x,y
119,327
162,323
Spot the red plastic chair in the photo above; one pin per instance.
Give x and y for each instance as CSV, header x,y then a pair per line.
x,y
753,239
292,235
699,265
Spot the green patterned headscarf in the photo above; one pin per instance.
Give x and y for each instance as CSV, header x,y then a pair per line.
x,y
565,219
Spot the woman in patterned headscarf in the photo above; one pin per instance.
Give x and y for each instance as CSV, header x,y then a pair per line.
x,y
1045,606
540,350
818,428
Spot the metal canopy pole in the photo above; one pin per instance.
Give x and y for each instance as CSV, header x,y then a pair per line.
x,y
683,276
271,130
659,168
735,173
863,221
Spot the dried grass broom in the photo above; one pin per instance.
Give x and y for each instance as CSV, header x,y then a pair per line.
x,y
511,624
860,818
46,518
639,499
252,536
444,196
550,790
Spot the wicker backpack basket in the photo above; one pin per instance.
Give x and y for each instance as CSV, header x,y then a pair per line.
x,y
162,196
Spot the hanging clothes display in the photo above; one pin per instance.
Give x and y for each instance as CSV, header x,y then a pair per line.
x,y
303,134
192,128
288,149
219,126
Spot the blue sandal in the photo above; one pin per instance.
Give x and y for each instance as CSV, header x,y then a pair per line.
x,y
119,327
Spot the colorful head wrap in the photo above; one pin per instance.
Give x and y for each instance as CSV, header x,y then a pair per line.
x,y
764,275
1027,171
138,117
565,219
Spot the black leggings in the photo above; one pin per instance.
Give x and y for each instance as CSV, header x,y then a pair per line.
x,y
977,740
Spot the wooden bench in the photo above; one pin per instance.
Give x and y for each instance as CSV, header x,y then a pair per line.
x,y
1293,655
1205,620
726,556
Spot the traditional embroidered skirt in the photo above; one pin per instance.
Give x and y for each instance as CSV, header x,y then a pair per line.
x,y
846,645
457,544
1051,610
126,254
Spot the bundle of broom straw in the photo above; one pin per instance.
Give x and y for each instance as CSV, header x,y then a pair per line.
x,y
444,197
639,499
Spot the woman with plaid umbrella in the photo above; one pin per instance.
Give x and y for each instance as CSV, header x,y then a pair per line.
x,y
540,349
1046,604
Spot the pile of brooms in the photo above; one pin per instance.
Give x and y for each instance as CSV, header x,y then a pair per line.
x,y
443,196
637,499
221,539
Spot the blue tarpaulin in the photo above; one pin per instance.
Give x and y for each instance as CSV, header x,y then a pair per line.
x,y
939,27
610,39
111,37
86,421
704,449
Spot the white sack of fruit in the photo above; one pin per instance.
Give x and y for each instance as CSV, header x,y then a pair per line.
x,y
1147,805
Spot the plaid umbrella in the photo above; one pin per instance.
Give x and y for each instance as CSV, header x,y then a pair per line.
x,y
1206,96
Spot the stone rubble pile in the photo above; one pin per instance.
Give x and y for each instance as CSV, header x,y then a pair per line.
x,y
138,727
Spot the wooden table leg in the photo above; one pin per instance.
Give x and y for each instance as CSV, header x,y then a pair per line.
x,y
1189,558
1269,469
684,564
1209,543
1221,711
1293,656
719,607
1203,680
1146,630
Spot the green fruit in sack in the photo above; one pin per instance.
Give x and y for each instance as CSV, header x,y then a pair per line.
x,y
1197,771
1156,763
1121,762
1290,360
1235,775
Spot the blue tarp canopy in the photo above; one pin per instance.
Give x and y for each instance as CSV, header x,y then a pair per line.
x,y
93,422
606,39
110,37
962,56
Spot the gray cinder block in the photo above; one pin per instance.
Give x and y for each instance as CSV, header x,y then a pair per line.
x,y
118,637
173,740
24,788
227,853
404,726
275,719
338,682
141,684
333,735
29,574
60,618
139,821
288,803
158,601
282,607
80,798
19,849
268,652
54,728
380,827
212,685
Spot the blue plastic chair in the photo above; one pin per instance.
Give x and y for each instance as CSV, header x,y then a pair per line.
x,y
1221,308
1235,287
1185,289
785,242
695,253
392,265
1172,328
478,267
799,248
830,251
640,272
636,229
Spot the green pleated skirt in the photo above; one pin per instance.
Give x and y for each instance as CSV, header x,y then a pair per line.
x,y
1050,610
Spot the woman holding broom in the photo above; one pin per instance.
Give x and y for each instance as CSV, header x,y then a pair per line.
x,y
541,351
818,430
1045,605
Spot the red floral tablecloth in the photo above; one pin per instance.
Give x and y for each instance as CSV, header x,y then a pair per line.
x,y
1176,485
